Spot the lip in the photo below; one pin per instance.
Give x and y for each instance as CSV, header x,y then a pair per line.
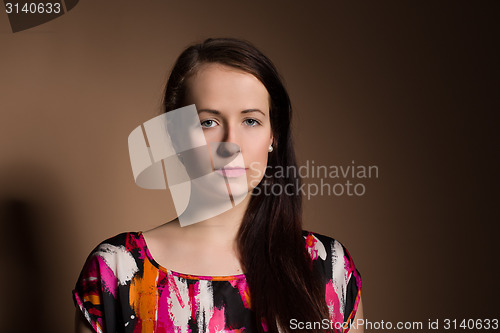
x,y
231,172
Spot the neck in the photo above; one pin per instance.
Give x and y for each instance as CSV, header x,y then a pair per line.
x,y
222,228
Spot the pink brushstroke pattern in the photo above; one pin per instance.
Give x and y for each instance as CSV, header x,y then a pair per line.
x,y
217,322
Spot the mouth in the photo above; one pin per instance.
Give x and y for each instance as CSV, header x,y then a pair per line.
x,y
232,172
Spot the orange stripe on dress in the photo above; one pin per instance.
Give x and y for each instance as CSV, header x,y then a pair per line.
x,y
144,297
94,299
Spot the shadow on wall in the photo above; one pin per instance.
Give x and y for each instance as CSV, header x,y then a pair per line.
x,y
22,278
35,248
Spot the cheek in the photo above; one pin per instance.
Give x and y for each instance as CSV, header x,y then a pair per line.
x,y
255,156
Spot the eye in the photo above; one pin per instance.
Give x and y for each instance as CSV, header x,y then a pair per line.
x,y
251,122
208,123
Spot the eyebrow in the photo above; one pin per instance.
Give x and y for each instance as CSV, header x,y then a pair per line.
x,y
244,111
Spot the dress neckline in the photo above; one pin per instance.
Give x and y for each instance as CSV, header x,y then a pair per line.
x,y
143,244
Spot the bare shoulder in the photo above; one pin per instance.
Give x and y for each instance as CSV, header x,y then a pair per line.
x,y
165,243
169,230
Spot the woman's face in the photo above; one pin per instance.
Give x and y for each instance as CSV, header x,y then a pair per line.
x,y
233,107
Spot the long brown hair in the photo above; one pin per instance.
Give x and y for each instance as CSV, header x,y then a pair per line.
x,y
277,266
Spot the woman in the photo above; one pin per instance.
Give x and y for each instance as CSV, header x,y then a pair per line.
x,y
249,269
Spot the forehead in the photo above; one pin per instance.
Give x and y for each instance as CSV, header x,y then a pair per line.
x,y
223,88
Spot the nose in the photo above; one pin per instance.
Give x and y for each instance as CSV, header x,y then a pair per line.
x,y
227,149
229,146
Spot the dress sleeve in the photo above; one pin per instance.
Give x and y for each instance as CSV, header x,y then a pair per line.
x,y
95,293
343,289
339,274
353,292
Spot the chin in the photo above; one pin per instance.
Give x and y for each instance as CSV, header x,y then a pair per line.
x,y
239,193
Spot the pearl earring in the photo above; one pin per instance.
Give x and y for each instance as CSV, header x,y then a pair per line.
x,y
270,148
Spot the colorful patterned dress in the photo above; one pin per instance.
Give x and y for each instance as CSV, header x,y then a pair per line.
x,y
123,289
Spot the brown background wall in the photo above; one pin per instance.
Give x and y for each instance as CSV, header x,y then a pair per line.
x,y
406,86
